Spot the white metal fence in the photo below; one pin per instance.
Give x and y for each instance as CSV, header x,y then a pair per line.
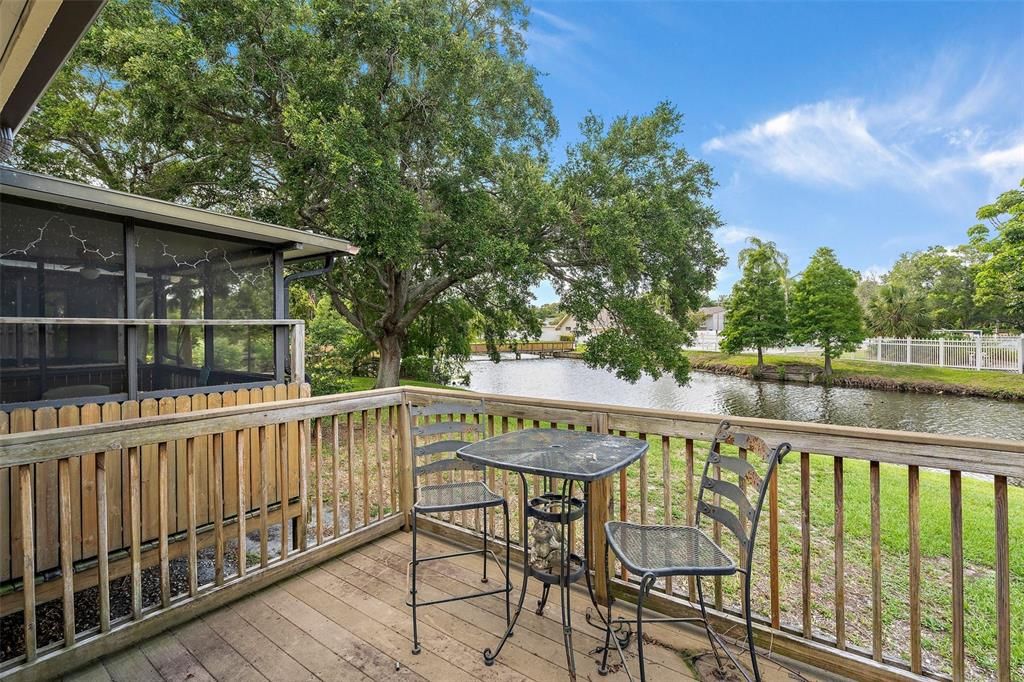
x,y
1002,353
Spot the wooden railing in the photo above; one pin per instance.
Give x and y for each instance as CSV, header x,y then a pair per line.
x,y
337,454
819,588
824,569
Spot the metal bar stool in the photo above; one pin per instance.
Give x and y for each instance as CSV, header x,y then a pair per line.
x,y
451,495
655,552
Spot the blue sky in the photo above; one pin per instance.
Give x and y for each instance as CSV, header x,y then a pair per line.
x,y
873,128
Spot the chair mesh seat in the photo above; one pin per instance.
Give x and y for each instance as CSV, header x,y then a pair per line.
x,y
667,550
449,496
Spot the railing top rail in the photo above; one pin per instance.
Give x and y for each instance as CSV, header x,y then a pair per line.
x,y
39,446
979,455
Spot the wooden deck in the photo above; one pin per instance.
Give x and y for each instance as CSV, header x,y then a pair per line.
x,y
346,619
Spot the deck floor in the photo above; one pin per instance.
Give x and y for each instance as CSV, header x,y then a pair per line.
x,y
346,619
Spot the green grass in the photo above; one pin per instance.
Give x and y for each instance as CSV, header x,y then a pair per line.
x,y
996,384
366,383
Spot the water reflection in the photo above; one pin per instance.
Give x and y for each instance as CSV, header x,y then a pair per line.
x,y
719,394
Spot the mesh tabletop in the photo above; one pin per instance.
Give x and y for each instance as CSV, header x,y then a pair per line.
x,y
575,455
448,496
667,550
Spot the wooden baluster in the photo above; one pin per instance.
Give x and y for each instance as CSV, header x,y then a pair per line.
x,y
876,561
743,521
241,437
336,472
393,454
350,434
218,508
303,427
643,482
379,433
773,550
67,572
264,494
282,478
135,502
162,495
805,540
914,530
716,532
317,454
406,481
103,541
957,571
1002,579
840,568
28,562
462,479
623,514
193,548
691,584
366,473
491,477
666,488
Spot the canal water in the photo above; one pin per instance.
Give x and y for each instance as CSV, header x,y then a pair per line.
x,y
727,395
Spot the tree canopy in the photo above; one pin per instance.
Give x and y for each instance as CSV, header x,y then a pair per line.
x,y
755,314
418,131
824,309
1000,276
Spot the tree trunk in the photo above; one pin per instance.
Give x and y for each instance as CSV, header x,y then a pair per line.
x,y
390,366
828,361
760,358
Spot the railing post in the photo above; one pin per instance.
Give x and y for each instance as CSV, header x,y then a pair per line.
x,y
977,351
405,482
599,509
1020,356
298,359
942,352
878,348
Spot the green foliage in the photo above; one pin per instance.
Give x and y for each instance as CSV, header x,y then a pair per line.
x,y
942,279
1000,276
824,308
634,239
418,131
438,344
894,311
755,314
333,348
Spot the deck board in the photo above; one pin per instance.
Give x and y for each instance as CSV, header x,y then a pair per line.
x,y
346,619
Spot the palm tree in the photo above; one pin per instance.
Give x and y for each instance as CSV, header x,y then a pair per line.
x,y
894,311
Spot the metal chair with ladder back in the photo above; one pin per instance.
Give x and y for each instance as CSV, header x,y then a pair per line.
x,y
445,437
655,551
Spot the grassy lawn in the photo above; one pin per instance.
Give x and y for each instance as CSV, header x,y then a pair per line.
x,y
366,383
906,377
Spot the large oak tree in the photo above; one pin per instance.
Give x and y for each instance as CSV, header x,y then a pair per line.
x,y
418,131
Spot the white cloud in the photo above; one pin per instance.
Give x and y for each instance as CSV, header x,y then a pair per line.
x,y
735,234
926,139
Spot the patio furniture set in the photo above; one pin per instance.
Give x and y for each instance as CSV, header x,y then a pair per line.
x,y
578,459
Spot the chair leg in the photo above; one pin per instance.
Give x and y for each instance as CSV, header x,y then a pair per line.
x,y
707,626
603,669
484,579
645,588
508,564
415,632
750,628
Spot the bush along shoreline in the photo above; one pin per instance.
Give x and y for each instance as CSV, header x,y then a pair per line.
x,y
857,374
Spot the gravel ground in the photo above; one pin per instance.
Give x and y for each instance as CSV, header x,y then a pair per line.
x,y
50,615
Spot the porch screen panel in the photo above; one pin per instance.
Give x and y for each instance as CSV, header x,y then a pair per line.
x,y
62,263
184,275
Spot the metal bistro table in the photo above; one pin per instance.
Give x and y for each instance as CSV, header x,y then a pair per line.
x,y
577,458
